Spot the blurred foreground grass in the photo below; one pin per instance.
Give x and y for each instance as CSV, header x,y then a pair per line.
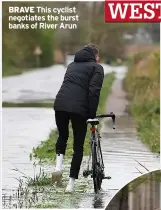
x,y
46,150
143,87
28,104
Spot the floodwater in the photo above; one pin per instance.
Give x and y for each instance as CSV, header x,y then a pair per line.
x,y
40,85
22,129
25,128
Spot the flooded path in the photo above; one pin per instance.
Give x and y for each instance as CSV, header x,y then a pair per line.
x,y
39,85
22,129
25,128
122,149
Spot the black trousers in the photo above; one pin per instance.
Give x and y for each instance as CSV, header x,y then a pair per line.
x,y
79,127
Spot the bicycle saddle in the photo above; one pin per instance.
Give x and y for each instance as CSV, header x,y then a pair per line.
x,y
93,121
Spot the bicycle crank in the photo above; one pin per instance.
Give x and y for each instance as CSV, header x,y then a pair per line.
x,y
86,173
107,177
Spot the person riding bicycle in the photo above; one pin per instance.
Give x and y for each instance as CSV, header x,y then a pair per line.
x,y
76,101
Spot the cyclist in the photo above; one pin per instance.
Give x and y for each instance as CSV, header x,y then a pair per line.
x,y
77,100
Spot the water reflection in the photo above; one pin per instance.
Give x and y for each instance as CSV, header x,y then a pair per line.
x,y
98,202
143,193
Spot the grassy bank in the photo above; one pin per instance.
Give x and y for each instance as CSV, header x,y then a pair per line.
x,y
143,87
10,71
47,148
28,104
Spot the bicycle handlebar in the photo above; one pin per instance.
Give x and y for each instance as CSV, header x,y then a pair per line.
x,y
112,115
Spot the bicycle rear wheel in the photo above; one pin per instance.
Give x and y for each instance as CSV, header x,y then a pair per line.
x,y
96,168
100,162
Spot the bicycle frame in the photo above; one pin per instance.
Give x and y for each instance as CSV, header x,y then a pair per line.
x,y
95,139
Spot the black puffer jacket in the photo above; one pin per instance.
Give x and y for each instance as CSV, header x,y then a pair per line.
x,y
81,87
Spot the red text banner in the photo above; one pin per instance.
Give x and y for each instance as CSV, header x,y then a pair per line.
x,y
133,11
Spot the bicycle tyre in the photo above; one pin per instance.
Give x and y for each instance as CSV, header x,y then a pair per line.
x,y
101,164
94,168
97,163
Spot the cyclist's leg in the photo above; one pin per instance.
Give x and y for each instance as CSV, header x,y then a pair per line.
x,y
79,132
62,122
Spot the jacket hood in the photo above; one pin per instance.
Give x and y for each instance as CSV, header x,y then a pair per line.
x,y
84,55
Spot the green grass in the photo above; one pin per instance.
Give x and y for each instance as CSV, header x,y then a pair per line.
x,y
46,150
147,116
28,104
143,86
40,179
11,71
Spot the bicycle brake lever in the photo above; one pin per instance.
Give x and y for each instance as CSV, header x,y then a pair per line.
x,y
113,119
114,127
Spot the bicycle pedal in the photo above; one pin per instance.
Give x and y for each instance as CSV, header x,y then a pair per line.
x,y
107,177
86,173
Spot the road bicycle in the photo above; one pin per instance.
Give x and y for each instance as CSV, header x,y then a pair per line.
x,y
96,169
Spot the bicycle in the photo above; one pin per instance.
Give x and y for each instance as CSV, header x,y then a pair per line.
x,y
97,168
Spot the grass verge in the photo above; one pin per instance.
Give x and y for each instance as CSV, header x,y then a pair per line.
x,y
39,192
143,87
28,104
12,71
46,150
